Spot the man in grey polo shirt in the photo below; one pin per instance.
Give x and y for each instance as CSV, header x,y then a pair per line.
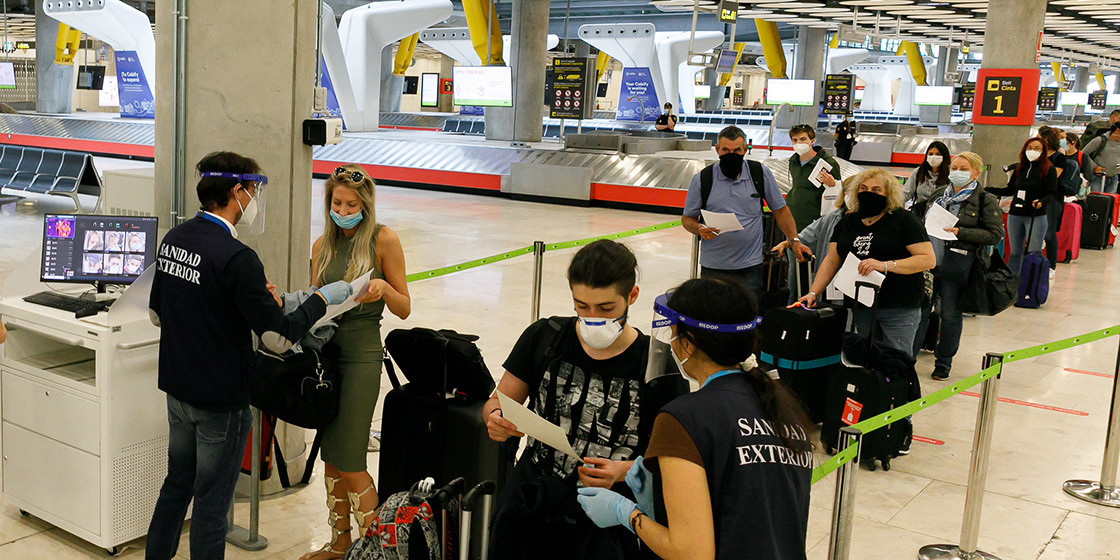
x,y
737,254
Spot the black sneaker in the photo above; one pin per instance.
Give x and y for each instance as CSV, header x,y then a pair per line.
x,y
940,374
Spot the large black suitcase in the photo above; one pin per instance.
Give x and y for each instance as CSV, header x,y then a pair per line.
x,y
804,345
1097,221
857,393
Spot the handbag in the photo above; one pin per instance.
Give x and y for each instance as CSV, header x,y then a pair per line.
x,y
990,290
440,362
300,389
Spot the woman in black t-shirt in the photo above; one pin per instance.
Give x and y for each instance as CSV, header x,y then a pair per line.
x,y
729,466
887,239
1033,185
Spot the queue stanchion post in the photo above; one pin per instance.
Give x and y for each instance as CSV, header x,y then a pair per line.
x,y
538,278
250,539
1104,492
843,508
694,268
977,477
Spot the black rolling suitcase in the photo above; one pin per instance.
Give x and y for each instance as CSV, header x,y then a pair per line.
x,y
436,434
862,387
1097,221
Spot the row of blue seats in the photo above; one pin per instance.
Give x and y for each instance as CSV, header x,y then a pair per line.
x,y
47,171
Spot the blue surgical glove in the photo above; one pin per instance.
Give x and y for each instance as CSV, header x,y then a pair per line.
x,y
640,481
336,292
605,508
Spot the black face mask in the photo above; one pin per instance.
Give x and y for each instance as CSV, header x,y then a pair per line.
x,y
870,204
731,164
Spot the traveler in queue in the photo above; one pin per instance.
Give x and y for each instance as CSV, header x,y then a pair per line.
x,y
979,225
1033,185
932,175
352,244
887,239
1105,153
732,461
1069,184
818,234
209,296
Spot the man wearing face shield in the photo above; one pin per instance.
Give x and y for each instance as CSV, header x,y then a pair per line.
x,y
737,255
585,374
209,297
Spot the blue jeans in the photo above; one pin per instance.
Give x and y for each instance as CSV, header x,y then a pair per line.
x,y
1104,184
751,277
204,454
895,327
1017,229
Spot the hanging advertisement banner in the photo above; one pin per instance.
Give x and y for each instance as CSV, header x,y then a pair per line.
x,y
333,108
132,87
637,96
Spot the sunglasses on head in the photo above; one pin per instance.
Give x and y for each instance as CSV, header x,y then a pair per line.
x,y
354,176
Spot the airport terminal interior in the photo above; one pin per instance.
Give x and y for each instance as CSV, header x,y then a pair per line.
x,y
489,126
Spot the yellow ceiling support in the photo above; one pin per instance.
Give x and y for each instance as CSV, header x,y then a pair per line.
x,y
1057,67
1100,80
405,50
914,57
772,47
835,40
481,16
66,44
601,64
725,79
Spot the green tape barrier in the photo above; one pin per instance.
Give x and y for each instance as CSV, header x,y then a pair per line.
x,y
619,235
826,468
1042,349
908,409
469,264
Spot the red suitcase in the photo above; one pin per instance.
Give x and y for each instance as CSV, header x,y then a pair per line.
x,y
1069,233
1115,218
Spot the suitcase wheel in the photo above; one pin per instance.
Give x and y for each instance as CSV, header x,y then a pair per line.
x,y
871,465
886,464
828,449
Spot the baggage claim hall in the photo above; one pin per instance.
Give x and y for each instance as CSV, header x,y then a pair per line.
x,y
496,279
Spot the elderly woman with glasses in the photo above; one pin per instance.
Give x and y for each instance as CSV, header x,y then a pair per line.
x,y
353,244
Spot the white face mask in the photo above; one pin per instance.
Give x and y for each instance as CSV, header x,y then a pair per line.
x,y
1032,155
802,149
679,362
248,212
960,177
600,333
934,161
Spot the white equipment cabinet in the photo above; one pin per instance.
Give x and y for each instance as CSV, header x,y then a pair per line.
x,y
84,424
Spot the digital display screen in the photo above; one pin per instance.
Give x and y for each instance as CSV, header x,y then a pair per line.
x,y
482,86
111,249
726,62
7,75
429,90
795,92
933,95
1073,98
703,91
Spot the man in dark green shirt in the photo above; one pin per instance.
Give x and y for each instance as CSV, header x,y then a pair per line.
x,y
804,198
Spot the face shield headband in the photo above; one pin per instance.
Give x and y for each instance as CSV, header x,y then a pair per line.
x,y
253,214
670,317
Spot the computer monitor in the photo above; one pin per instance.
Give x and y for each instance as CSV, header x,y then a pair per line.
x,y
91,77
933,95
794,92
7,75
97,249
703,91
482,86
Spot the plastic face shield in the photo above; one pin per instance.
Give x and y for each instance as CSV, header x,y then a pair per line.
x,y
660,361
258,184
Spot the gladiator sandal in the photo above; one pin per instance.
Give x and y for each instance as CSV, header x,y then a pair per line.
x,y
363,516
338,517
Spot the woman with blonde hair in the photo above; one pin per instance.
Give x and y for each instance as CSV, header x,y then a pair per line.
x,y
352,244
888,239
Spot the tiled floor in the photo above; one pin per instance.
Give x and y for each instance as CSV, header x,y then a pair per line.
x,y
919,502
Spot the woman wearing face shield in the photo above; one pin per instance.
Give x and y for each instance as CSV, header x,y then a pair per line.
x,y
586,374
728,467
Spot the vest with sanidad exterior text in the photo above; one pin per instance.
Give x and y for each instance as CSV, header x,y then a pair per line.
x,y
759,487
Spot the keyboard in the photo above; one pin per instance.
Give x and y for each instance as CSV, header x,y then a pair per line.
x,y
79,307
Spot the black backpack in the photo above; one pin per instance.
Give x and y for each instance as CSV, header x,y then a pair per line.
x,y
707,178
440,362
1096,129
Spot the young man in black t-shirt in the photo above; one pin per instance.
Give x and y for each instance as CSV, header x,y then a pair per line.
x,y
585,374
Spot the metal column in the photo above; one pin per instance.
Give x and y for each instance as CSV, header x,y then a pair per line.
x,y
1105,492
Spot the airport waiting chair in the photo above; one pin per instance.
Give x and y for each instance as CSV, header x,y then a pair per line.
x,y
47,174
51,172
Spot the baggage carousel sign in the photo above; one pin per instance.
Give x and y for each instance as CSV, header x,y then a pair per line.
x,y
968,96
838,90
1098,100
569,88
1048,99
1002,100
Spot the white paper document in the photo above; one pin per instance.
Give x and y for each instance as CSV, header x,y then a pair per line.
x,y
132,305
846,278
534,426
723,221
828,199
360,285
937,219
821,165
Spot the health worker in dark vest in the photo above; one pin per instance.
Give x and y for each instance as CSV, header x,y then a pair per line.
x,y
209,297
727,471
737,255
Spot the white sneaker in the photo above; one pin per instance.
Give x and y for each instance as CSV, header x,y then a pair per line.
x,y
1052,273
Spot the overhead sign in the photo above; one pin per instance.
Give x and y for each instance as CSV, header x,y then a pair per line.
x,y
838,93
1001,96
968,96
637,98
569,88
1048,99
1098,99
729,11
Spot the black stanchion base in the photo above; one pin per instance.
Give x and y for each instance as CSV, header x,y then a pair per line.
x,y
951,552
1091,491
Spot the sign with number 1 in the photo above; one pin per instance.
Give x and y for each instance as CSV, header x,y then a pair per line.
x,y
1006,96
